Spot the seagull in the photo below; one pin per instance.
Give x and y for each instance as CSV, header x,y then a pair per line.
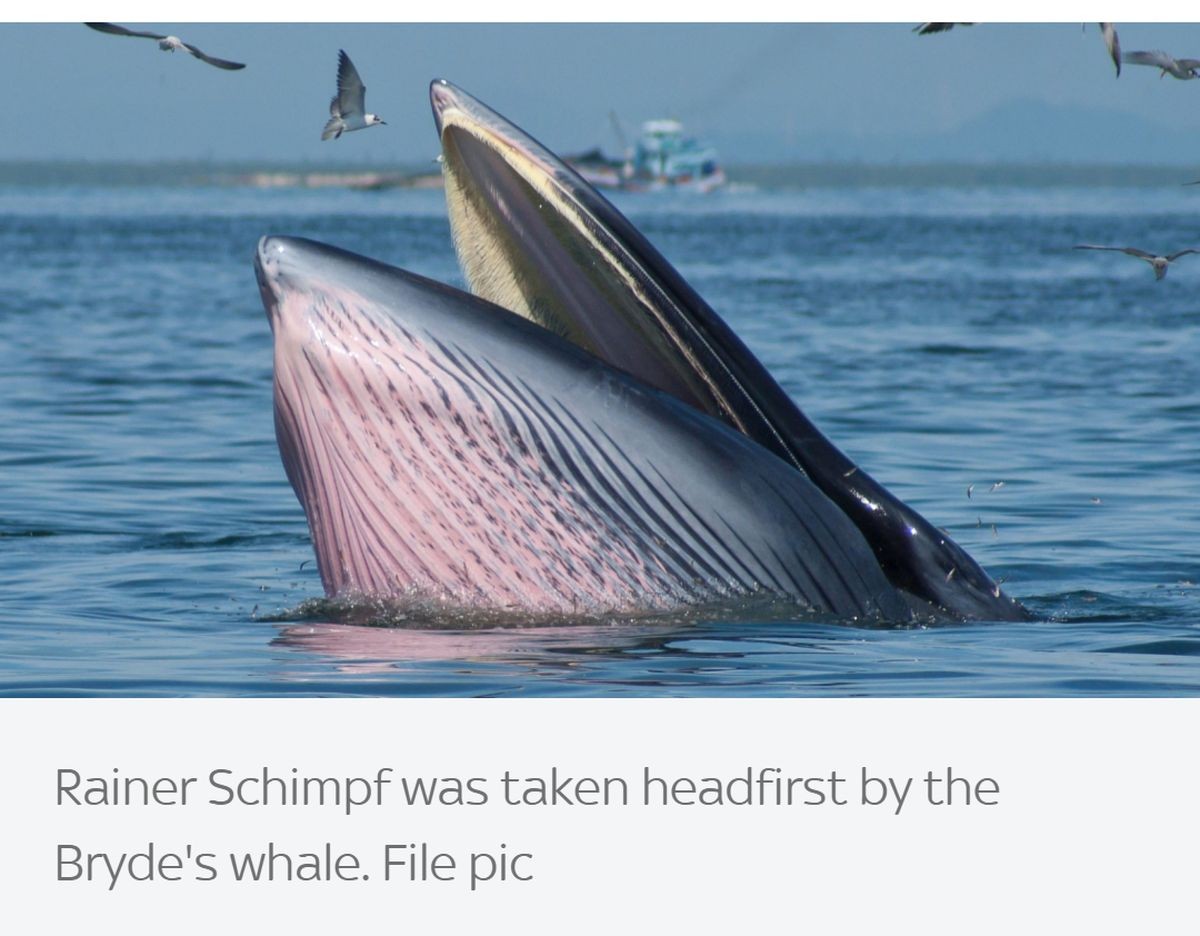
x,y
1183,69
1159,263
166,43
346,109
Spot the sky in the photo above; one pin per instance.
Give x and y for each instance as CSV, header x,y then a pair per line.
x,y
771,93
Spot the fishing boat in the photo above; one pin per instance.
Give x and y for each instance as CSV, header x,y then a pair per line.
x,y
663,158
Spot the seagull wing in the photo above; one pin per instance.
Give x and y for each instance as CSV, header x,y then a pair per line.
x,y
1132,251
1112,43
1156,58
928,29
220,63
115,30
1180,253
351,91
1188,64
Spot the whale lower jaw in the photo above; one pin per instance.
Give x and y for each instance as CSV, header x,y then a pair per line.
x,y
422,477
444,448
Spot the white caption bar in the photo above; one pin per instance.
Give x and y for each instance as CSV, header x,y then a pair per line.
x,y
551,816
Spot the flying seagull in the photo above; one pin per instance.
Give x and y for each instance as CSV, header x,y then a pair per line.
x,y
166,43
1157,262
1183,69
346,109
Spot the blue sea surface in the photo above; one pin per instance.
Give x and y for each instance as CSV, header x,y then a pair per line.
x,y
943,338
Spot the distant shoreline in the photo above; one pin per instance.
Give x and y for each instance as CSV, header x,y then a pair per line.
x,y
54,173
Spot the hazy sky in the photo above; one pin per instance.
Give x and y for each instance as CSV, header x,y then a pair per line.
x,y
799,91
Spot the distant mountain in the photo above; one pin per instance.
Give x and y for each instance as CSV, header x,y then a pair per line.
x,y
1015,132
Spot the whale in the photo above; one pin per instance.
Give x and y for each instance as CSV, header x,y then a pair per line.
x,y
581,433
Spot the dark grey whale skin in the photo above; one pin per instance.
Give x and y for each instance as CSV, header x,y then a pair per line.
x,y
684,347
700,494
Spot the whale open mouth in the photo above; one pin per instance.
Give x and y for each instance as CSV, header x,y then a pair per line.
x,y
582,434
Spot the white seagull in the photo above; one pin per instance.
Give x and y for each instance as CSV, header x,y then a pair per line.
x,y
346,110
166,43
1159,263
1183,69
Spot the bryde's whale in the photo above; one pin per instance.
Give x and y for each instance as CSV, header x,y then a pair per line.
x,y
583,434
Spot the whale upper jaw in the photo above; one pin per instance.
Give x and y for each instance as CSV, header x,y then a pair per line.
x,y
535,238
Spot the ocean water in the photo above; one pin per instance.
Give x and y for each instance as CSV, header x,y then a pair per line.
x,y
943,338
